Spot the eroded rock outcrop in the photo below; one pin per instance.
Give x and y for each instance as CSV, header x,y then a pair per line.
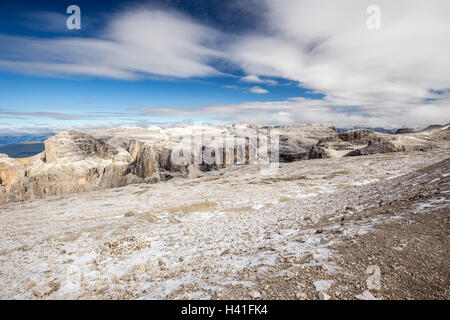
x,y
80,161
299,142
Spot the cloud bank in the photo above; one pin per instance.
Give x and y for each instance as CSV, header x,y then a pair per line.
x,y
387,77
134,45
304,111
395,76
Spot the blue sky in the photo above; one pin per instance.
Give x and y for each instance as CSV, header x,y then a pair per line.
x,y
83,98
87,97
260,61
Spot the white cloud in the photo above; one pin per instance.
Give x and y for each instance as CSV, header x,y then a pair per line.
x,y
327,47
255,79
136,44
317,111
231,87
386,77
258,90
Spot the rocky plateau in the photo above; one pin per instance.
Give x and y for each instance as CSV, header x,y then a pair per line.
x,y
81,161
112,217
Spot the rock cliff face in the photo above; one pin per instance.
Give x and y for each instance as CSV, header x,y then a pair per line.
x,y
80,161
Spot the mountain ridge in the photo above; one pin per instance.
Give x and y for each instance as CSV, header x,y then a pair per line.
x,y
80,161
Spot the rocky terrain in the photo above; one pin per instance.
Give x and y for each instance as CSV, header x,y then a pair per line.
x,y
81,161
338,226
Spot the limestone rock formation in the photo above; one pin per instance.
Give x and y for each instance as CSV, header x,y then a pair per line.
x,y
296,142
80,161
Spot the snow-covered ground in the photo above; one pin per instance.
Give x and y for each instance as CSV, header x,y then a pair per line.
x,y
188,238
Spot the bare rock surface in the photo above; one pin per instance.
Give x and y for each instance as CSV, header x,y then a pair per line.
x,y
366,295
83,161
233,233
